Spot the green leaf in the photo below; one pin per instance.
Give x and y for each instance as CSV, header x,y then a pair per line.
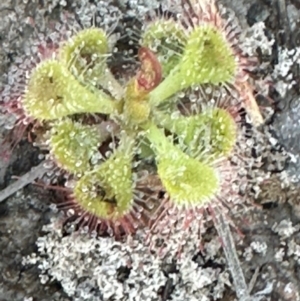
x,y
74,145
85,55
167,39
207,58
107,191
53,92
208,135
187,181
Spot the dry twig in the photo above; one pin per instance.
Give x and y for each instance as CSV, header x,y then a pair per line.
x,y
36,172
231,256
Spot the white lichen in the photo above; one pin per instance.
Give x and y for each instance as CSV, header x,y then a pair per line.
x,y
259,247
89,267
287,59
284,229
255,37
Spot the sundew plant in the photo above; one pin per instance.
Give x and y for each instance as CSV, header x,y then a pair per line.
x,y
140,147
143,143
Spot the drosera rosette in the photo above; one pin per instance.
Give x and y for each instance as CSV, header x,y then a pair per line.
x,y
196,143
69,92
